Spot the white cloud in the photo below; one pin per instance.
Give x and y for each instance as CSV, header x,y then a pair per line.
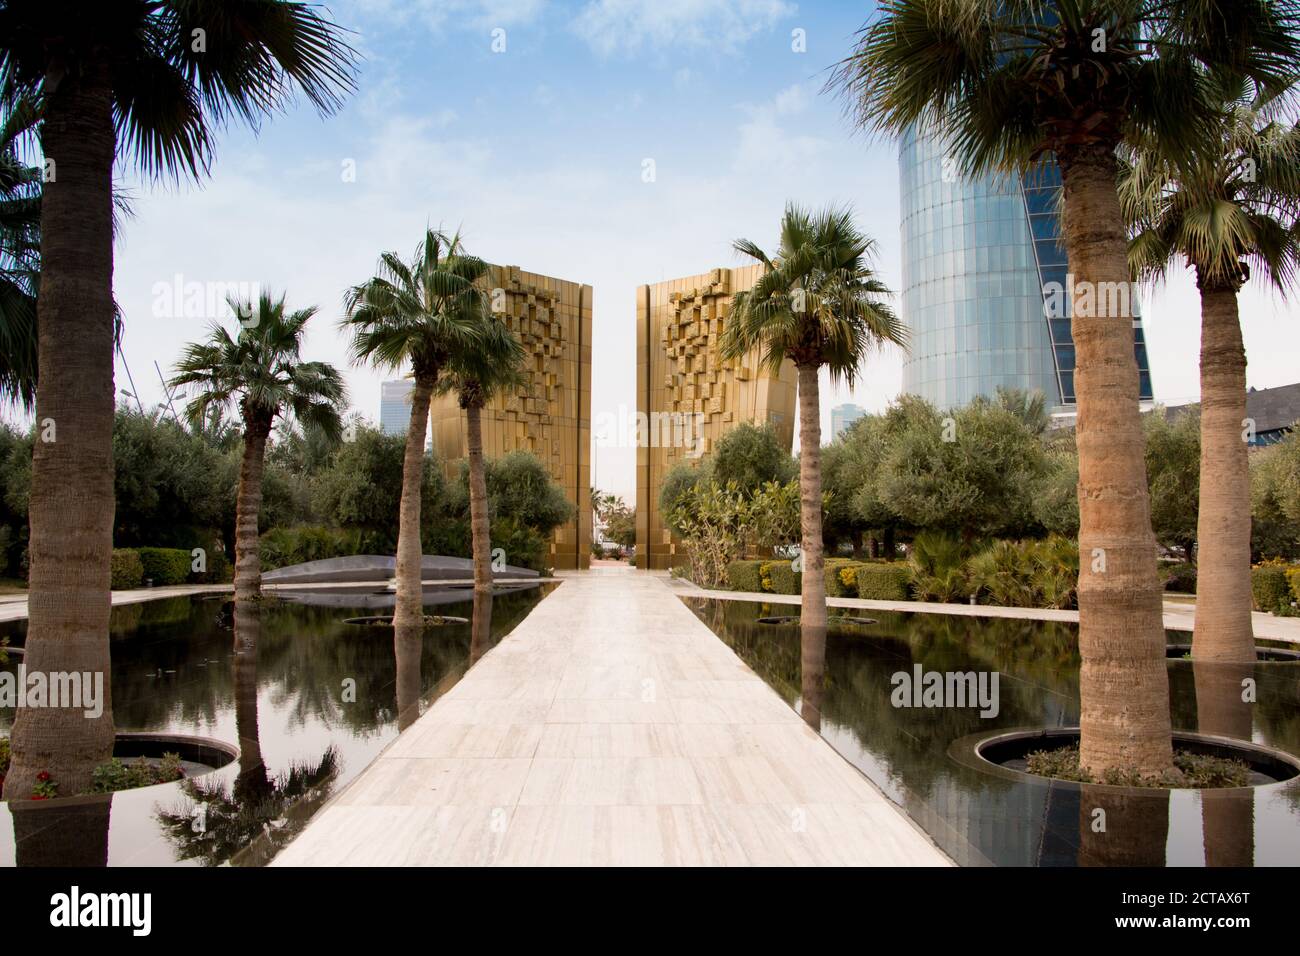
x,y
440,14
627,26
771,137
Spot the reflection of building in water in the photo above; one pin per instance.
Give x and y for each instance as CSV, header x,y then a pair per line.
x,y
550,414
679,323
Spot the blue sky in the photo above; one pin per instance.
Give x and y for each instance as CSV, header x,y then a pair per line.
x,y
537,152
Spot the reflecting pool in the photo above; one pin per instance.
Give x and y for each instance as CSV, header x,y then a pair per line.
x,y
309,700
984,818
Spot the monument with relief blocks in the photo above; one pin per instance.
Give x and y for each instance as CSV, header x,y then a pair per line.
x,y
550,413
681,378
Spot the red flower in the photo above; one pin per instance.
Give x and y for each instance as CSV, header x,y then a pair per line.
x,y
43,776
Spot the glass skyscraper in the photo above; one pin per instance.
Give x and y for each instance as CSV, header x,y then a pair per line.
x,y
978,253
395,406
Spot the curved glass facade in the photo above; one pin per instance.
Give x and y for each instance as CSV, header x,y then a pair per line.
x,y
977,255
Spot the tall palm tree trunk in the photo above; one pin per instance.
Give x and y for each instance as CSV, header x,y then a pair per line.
x,y
248,506
408,645
1123,685
480,535
409,611
812,611
71,506
1223,597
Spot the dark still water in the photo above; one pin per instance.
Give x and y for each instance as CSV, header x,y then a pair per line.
x,y
981,818
311,699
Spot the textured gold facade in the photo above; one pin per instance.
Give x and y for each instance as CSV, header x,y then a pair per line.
x,y
679,370
550,414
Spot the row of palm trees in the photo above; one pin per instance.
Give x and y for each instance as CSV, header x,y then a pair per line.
x,y
1150,108
110,82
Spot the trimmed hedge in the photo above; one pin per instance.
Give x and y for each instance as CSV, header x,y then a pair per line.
x,y
841,577
745,575
127,569
1271,590
780,577
883,582
165,565
1293,578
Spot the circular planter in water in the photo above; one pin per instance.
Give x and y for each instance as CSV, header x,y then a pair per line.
x,y
833,620
430,620
1263,655
198,756
1003,754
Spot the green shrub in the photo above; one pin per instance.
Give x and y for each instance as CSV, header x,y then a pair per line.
x,y
841,577
165,566
119,775
938,564
783,577
281,547
127,569
1272,592
883,582
219,570
1180,578
745,575
1293,579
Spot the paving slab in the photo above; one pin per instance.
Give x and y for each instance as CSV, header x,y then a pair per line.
x,y
611,727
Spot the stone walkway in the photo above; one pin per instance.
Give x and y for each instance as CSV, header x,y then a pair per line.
x,y
610,727
1179,615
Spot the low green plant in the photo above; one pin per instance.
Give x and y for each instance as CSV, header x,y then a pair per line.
x,y
1192,770
1293,581
1180,578
44,788
745,575
784,578
938,567
125,775
1270,587
127,569
883,582
165,566
842,577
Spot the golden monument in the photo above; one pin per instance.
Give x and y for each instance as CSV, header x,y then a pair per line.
x,y
687,396
550,415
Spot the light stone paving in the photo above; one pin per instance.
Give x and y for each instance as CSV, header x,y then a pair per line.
x,y
1179,615
610,727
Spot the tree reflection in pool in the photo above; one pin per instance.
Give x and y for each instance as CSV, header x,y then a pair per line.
x,y
311,701
982,818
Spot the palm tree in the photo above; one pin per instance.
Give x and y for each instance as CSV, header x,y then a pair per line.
x,y
476,375
1009,84
422,313
260,371
149,79
817,303
20,242
1228,210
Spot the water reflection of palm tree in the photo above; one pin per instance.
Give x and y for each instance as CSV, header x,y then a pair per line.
x,y
67,833
481,628
408,643
262,811
1123,826
1227,816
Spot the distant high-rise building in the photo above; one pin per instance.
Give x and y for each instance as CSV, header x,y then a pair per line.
x,y
395,406
842,416
981,255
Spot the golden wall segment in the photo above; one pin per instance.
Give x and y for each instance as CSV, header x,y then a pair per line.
x,y
679,371
550,415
